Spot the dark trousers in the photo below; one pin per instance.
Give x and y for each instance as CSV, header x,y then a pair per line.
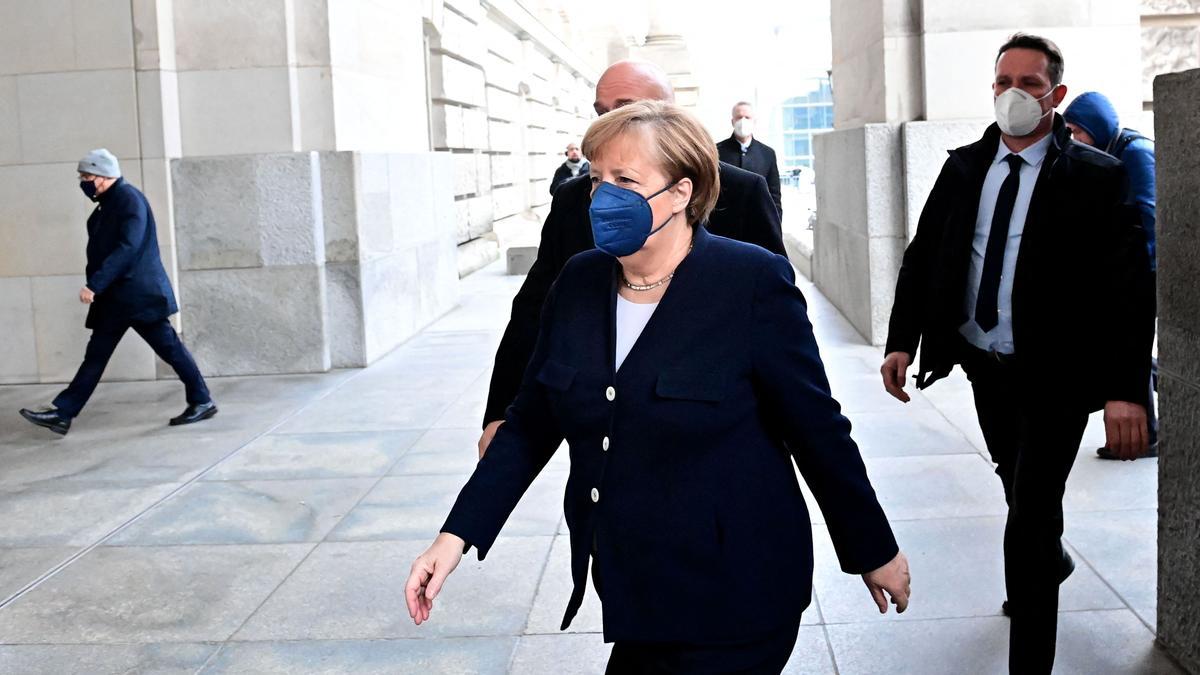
x,y
161,337
767,655
1033,440
1151,414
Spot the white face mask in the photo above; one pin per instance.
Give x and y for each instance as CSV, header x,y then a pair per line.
x,y
744,127
1018,112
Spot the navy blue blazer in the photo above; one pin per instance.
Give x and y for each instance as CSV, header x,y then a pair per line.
x,y
680,473
124,268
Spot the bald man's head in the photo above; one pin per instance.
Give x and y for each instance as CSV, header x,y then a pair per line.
x,y
628,81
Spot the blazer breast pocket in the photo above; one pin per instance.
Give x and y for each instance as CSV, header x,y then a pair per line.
x,y
556,376
691,385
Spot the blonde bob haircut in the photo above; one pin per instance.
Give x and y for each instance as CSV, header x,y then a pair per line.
x,y
677,142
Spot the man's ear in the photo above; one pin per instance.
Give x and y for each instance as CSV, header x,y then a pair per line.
x,y
1060,95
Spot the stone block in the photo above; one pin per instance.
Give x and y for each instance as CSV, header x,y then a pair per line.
x,y
1178,528
481,211
338,206
229,34
502,105
520,258
32,39
504,169
61,335
501,41
925,151
841,263
503,137
460,36
10,121
154,28
462,221
856,25
944,16
466,178
228,112
1168,49
456,81
315,97
412,196
391,302
475,128
483,173
63,115
158,113
311,28
42,209
438,265
103,34
507,201
501,73
344,314
156,185
1177,130
477,254
248,211
1170,6
18,350
472,9
256,321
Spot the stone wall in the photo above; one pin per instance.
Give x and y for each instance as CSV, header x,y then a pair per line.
x,y
1177,127
506,98
1170,39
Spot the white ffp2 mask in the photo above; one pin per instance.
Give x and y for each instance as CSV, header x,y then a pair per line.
x,y
1018,112
744,127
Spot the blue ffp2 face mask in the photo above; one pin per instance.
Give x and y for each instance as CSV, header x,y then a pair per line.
x,y
622,219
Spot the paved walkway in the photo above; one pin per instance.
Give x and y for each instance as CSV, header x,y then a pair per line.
x,y
277,537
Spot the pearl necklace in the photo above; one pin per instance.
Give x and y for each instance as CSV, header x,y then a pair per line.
x,y
649,287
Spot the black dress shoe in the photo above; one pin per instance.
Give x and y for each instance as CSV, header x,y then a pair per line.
x,y
1066,568
195,413
51,419
1105,453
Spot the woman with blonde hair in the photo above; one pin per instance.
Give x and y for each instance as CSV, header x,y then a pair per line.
x,y
682,371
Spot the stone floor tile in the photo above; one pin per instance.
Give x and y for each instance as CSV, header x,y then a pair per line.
x,y
1106,485
553,593
415,507
906,432
299,456
160,659
441,451
356,591
148,595
67,513
247,512
20,566
946,486
811,655
958,571
1108,643
861,392
378,411
1122,546
586,654
450,656
975,646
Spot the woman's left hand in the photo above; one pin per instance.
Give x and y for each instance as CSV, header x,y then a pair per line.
x,y
429,572
895,580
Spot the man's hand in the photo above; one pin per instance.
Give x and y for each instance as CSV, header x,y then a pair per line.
x,y
489,432
1125,429
429,572
895,371
86,296
895,580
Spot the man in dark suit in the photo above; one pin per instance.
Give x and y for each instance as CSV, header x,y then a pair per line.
x,y
127,287
744,211
746,152
1029,269
575,165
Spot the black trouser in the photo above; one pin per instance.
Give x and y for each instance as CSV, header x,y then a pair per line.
x,y
161,337
1033,439
767,655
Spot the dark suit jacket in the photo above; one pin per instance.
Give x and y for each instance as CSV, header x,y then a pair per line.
x,y
700,528
124,268
759,159
563,174
744,212
1083,298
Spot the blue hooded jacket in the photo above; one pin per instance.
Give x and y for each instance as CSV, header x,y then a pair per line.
x,y
1096,114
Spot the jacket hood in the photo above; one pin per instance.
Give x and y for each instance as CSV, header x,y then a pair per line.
x,y
1096,114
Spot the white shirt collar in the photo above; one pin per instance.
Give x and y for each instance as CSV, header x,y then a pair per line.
x,y
1033,155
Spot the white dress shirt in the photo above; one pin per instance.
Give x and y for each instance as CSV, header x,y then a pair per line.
x,y
1000,337
632,318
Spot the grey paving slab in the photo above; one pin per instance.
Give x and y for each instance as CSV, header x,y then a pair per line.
x,y
66,513
449,656
978,646
957,567
247,512
1122,546
356,591
20,566
858,393
374,411
441,451
1106,485
469,409
554,590
296,456
946,486
148,595
906,432
811,655
415,507
577,653
161,659
1103,643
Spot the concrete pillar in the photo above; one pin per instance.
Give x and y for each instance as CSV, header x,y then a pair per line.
x,y
911,79
1177,127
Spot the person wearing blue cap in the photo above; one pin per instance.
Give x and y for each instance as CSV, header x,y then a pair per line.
x,y
126,288
1093,120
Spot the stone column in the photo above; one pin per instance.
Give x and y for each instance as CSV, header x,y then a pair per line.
x,y
1177,128
911,79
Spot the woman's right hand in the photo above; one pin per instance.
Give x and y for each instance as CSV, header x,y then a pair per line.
x,y
429,572
892,579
